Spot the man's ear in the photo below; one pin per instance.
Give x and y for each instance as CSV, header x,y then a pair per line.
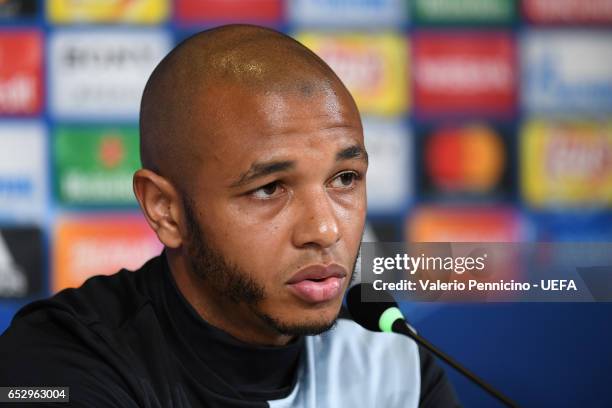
x,y
161,205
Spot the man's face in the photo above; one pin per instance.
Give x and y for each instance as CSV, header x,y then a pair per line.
x,y
276,205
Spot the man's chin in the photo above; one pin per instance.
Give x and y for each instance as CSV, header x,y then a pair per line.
x,y
306,326
305,329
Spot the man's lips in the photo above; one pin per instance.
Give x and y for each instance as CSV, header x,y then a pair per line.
x,y
318,283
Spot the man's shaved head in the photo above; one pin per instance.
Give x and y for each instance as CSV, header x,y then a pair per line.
x,y
177,106
254,180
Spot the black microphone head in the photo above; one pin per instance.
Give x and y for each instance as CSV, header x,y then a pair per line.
x,y
368,314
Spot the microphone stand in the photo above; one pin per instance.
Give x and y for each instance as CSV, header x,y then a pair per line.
x,y
400,326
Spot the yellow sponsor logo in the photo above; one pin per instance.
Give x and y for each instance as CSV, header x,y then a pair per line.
x,y
104,11
567,163
372,66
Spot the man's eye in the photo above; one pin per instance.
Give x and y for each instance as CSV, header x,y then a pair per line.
x,y
345,180
268,191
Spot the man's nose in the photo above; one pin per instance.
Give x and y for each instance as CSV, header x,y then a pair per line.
x,y
316,221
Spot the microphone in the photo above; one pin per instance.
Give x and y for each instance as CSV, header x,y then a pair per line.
x,y
384,315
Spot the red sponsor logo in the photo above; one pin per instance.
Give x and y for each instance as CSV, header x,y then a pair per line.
x,y
568,11
194,11
464,73
112,151
21,86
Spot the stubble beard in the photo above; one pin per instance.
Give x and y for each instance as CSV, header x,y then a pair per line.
x,y
229,280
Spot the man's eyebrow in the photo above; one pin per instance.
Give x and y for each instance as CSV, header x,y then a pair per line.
x,y
258,170
352,152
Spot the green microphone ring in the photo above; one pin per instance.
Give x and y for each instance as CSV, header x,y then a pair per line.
x,y
388,317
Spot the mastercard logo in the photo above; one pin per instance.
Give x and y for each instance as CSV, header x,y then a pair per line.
x,y
468,158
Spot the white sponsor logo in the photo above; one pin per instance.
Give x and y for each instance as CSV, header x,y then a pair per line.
x,y
13,282
479,9
97,186
463,75
567,72
90,256
357,70
567,157
23,171
102,73
17,94
354,12
389,146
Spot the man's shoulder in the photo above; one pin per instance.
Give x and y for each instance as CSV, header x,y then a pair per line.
x,y
76,337
80,319
105,299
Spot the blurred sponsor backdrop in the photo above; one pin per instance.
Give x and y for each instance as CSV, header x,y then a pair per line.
x,y
486,120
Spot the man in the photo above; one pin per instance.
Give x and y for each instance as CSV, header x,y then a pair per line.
x,y
253,178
